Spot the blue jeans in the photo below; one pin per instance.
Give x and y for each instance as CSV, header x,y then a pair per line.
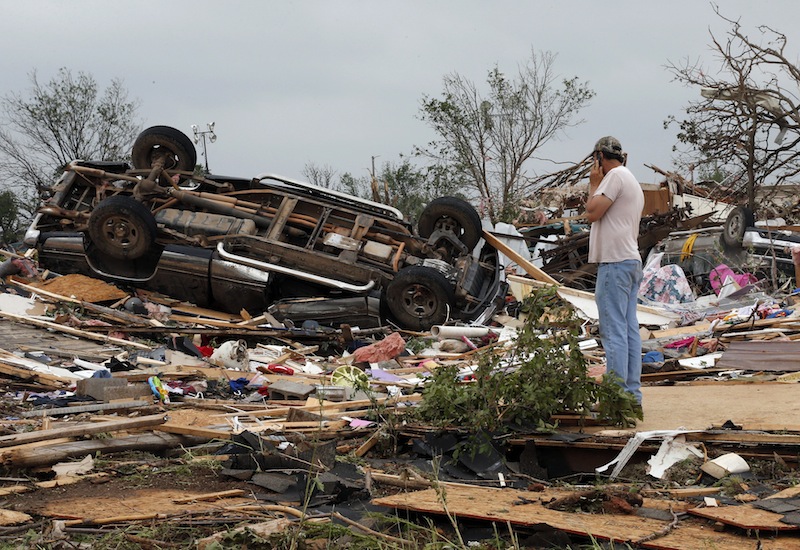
x,y
616,296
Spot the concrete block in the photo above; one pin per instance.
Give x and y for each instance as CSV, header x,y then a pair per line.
x,y
96,387
111,389
283,389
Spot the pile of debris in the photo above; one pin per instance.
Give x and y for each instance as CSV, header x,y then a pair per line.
x,y
308,424
335,362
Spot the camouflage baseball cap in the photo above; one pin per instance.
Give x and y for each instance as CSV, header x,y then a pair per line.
x,y
609,145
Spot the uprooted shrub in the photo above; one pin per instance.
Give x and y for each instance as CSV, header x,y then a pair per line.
x,y
543,373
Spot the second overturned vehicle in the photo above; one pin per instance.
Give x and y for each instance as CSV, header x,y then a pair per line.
x,y
268,242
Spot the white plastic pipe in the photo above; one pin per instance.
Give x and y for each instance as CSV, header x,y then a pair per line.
x,y
446,332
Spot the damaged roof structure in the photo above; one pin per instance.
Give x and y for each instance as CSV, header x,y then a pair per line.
x,y
133,411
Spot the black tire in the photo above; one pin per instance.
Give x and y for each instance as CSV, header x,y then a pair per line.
x,y
419,297
737,222
122,228
451,213
176,148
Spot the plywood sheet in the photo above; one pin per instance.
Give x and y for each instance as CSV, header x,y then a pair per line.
x,y
83,288
505,505
759,355
745,516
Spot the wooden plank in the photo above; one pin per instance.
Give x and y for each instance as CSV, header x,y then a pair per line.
x,y
86,408
17,457
521,261
177,305
746,437
209,322
701,327
369,443
197,431
211,496
687,492
69,330
298,427
46,380
283,411
83,429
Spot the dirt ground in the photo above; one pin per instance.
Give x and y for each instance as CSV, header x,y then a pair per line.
x,y
142,492
773,406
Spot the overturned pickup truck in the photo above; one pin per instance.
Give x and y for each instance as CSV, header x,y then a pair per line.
x,y
269,242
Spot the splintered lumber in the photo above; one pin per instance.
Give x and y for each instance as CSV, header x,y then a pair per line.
x,y
115,519
518,259
177,305
49,484
82,429
114,314
263,529
510,506
211,322
369,443
330,406
12,517
196,431
69,330
46,380
46,456
211,496
86,408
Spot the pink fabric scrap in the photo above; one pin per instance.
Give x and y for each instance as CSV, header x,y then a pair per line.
x,y
720,274
384,350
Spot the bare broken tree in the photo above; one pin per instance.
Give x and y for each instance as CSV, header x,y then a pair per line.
x,y
321,176
747,120
56,122
486,140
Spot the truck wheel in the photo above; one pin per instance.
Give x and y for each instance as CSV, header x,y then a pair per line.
x,y
419,297
454,214
737,222
122,228
172,145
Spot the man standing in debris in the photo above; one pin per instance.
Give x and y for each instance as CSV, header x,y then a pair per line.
x,y
614,206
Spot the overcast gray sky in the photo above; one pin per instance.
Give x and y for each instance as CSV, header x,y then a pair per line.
x,y
337,82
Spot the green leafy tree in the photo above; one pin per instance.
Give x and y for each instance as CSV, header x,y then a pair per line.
x,y
487,139
53,123
404,186
9,216
745,120
357,187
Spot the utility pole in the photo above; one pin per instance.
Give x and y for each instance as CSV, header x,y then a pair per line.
x,y
201,134
376,194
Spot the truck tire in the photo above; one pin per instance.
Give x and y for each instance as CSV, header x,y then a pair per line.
x,y
454,214
164,141
122,228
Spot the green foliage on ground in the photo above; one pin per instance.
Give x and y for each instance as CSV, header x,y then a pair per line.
x,y
542,374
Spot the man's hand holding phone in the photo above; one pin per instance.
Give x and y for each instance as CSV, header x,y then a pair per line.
x,y
596,174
